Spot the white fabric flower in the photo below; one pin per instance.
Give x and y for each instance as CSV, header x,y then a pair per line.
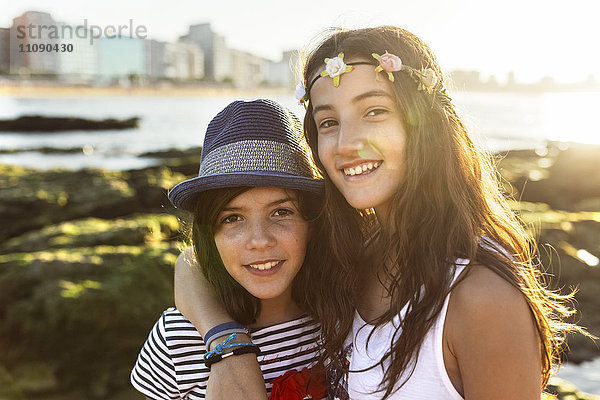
x,y
300,93
335,66
429,78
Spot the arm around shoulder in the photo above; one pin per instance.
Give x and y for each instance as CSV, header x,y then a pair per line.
x,y
234,377
194,297
491,331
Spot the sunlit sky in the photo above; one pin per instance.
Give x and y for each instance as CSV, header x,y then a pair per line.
x,y
534,38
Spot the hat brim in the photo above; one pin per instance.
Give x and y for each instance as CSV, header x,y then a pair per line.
x,y
184,193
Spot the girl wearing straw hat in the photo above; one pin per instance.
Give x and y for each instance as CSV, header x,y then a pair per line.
x,y
255,231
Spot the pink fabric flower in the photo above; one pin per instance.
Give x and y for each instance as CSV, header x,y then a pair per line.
x,y
390,62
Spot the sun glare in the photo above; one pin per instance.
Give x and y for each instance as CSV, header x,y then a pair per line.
x,y
572,117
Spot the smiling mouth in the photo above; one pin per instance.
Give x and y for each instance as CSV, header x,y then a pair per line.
x,y
363,169
265,266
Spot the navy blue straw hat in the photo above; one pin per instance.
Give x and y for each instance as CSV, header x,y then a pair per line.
x,y
256,143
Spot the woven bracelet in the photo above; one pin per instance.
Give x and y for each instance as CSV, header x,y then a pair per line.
x,y
243,348
222,347
228,348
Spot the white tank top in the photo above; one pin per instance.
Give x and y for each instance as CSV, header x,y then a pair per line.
x,y
429,379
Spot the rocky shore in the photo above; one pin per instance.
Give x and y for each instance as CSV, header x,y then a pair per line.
x,y
86,262
42,124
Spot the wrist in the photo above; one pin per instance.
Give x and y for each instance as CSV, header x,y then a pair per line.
x,y
222,332
229,348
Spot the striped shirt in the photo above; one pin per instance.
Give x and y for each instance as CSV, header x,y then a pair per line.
x,y
171,364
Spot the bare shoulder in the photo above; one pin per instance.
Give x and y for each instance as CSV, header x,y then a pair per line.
x,y
484,307
482,291
491,333
186,258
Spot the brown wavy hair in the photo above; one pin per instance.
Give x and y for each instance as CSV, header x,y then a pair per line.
x,y
239,303
449,206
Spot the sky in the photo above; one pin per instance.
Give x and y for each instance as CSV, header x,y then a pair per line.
x,y
533,38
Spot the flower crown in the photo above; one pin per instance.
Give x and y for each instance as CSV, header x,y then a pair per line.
x,y
426,78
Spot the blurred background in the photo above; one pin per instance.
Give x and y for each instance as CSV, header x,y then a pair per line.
x,y
103,108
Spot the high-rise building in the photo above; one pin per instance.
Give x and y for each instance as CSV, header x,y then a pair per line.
x,y
4,50
155,58
28,32
184,61
121,58
217,56
248,70
178,61
284,72
79,60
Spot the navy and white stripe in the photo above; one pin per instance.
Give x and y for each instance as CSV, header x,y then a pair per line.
x,y
171,364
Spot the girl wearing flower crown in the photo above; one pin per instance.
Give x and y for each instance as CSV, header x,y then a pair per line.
x,y
434,292
253,224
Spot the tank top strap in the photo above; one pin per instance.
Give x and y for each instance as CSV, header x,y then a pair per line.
x,y
438,335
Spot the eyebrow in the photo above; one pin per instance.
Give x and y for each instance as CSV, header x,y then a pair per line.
x,y
371,93
360,97
271,204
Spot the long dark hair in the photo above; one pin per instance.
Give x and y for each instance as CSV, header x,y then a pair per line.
x,y
239,303
449,206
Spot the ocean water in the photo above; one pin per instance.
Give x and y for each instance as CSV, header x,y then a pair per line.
x,y
585,376
498,121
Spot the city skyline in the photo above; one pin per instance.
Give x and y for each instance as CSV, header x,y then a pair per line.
x,y
37,46
533,39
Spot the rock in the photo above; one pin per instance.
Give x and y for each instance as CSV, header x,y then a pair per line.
x,y
73,299
40,124
36,378
86,311
562,210
137,229
32,199
83,268
562,179
9,390
563,390
44,150
173,154
568,247
180,161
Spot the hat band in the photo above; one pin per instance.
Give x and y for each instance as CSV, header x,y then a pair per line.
x,y
258,155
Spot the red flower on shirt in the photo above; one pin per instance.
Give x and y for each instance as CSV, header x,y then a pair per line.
x,y
294,385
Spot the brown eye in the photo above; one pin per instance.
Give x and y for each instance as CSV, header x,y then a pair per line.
x,y
230,219
328,123
376,111
283,212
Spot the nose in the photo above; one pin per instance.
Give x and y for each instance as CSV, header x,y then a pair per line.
x,y
260,236
349,140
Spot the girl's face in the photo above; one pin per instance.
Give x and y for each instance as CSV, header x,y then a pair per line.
x,y
361,137
261,237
